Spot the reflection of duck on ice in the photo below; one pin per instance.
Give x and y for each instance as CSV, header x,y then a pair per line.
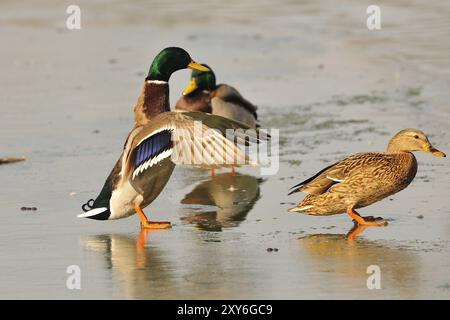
x,y
142,272
234,195
347,261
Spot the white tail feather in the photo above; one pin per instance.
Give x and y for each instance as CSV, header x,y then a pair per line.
x,y
92,212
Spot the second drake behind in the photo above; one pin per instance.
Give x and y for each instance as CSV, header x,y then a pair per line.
x,y
203,94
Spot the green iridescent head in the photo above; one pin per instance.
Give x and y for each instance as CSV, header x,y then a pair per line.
x,y
170,60
201,80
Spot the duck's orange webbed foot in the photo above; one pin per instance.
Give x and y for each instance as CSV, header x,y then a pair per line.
x,y
366,221
233,171
146,224
211,172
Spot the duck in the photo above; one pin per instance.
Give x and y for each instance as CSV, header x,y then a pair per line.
x,y
159,140
364,178
204,95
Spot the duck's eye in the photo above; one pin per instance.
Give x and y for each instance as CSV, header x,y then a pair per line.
x,y
416,137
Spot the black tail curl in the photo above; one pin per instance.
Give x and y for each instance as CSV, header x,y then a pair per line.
x,y
88,205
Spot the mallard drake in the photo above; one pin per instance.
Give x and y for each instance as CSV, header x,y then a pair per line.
x,y
202,94
160,140
154,96
364,178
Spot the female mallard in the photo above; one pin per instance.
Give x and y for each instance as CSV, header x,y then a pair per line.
x,y
160,140
202,94
364,178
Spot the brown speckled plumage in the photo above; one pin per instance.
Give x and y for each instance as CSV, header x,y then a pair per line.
x,y
364,178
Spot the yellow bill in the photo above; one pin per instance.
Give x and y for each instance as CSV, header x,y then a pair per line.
x,y
191,87
197,66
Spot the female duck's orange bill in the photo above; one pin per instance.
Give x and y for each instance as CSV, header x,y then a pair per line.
x,y
436,152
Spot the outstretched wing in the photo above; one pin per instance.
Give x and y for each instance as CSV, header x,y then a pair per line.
x,y
192,138
222,124
206,140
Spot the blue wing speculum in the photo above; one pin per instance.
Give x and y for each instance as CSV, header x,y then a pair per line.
x,y
152,150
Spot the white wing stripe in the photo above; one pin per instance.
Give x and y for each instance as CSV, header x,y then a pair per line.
x,y
151,162
334,179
